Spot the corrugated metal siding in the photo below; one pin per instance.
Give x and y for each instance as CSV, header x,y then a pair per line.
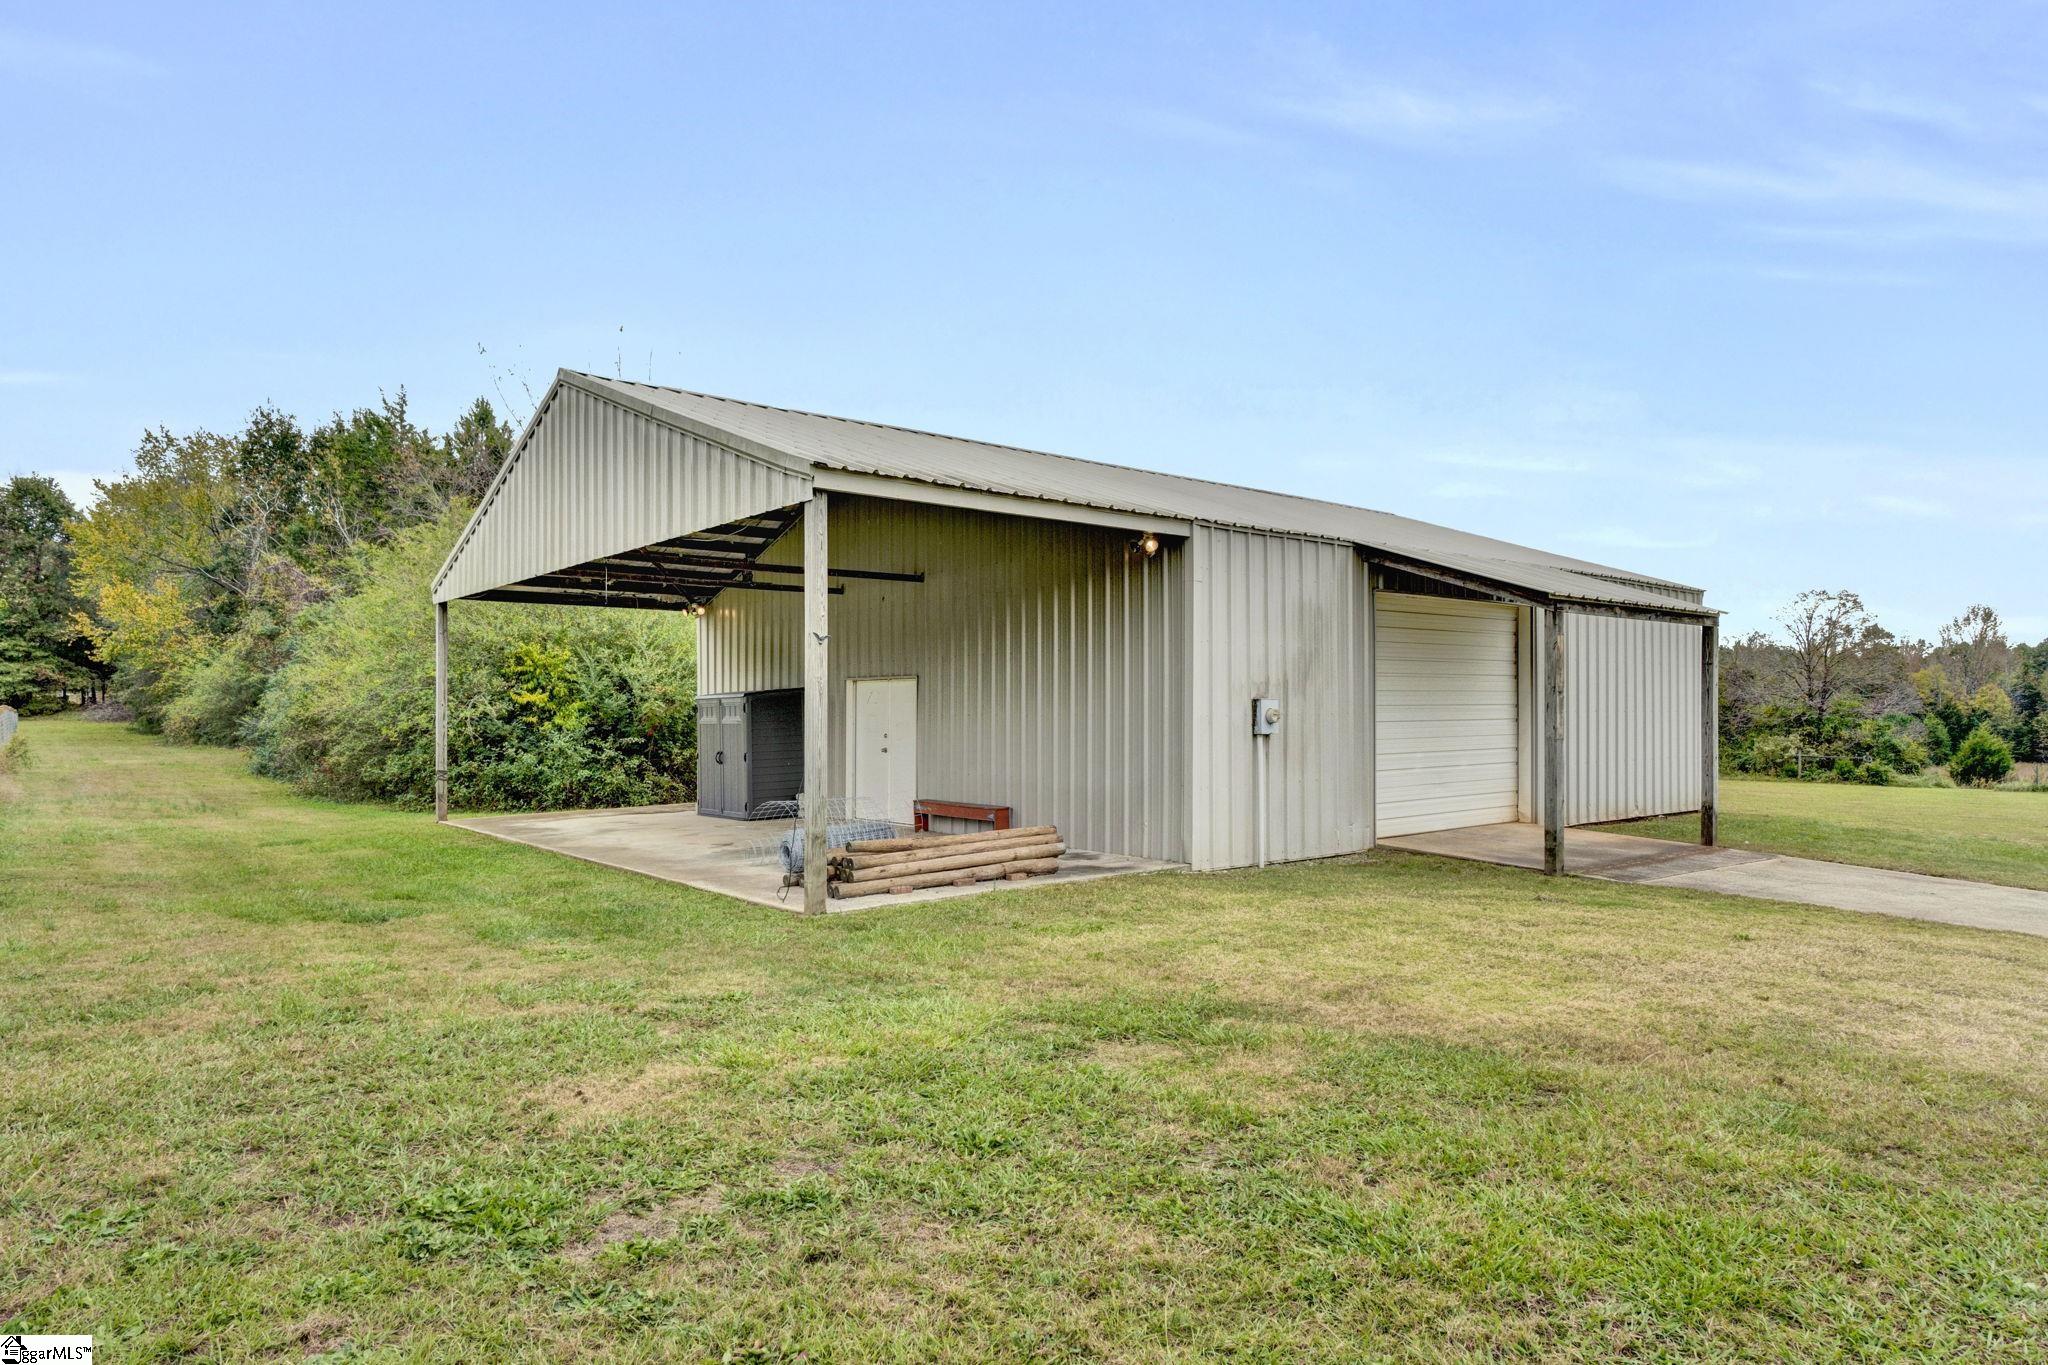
x,y
592,478
1050,659
876,448
1282,617
1632,718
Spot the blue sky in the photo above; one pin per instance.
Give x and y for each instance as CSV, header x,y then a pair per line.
x,y
1748,295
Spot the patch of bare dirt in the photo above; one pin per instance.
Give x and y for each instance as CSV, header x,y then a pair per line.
x,y
643,1225
319,1335
580,1100
1132,1056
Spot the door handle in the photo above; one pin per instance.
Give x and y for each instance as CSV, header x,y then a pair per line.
x,y
718,757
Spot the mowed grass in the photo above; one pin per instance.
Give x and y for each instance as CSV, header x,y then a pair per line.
x,y
1984,836
288,1079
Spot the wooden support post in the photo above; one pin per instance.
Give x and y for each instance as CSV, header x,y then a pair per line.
x,y
440,710
817,701
1710,733
1553,742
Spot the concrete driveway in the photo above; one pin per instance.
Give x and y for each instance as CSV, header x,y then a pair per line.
x,y
1737,872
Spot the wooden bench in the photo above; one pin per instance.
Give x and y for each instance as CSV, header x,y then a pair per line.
x,y
924,808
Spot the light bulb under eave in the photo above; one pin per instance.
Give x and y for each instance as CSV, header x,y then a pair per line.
x,y
1149,546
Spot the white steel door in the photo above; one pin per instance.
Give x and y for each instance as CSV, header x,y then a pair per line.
x,y
1446,711
882,748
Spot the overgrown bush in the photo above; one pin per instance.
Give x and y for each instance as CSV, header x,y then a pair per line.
x,y
1981,759
15,755
1846,745
548,707
217,695
1940,744
1770,756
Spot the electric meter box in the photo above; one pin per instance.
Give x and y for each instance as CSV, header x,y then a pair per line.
x,y
1265,715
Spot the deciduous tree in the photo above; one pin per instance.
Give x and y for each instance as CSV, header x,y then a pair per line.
x,y
1836,646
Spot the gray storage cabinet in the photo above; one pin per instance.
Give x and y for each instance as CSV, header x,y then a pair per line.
x,y
750,750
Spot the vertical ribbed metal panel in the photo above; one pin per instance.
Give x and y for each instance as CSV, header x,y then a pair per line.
x,y
1632,715
1049,658
1283,617
593,478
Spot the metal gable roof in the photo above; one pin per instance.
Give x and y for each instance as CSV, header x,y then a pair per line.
x,y
845,444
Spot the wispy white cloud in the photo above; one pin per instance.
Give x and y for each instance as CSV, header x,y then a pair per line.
x,y
1711,474
30,379
1384,112
1513,463
36,54
1465,489
1323,88
1894,504
1949,202
1893,106
1182,126
1826,179
1833,276
1622,538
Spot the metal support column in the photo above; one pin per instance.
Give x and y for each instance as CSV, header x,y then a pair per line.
x,y
440,710
1710,733
1553,742
817,700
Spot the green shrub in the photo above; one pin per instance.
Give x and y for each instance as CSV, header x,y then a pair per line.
x,y
549,707
1913,757
1845,770
1771,756
217,696
1981,759
1875,773
1940,744
15,755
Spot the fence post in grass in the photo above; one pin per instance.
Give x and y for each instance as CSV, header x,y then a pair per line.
x,y
817,660
440,710
1553,742
1710,732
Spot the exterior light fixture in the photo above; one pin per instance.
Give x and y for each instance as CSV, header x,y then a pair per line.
x,y
698,609
1148,545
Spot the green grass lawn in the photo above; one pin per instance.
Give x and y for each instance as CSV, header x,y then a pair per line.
x,y
291,1079
1985,836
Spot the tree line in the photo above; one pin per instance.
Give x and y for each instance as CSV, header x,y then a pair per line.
x,y
268,588
1836,696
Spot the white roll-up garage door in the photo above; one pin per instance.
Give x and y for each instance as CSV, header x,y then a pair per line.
x,y
1446,713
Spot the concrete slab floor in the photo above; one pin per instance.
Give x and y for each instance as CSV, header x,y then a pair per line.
x,y
676,844
1609,856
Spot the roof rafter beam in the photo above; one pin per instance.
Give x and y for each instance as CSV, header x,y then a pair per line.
x,y
1505,592
1703,617
718,561
702,587
1470,582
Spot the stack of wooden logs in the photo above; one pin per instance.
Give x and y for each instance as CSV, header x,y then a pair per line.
x,y
872,867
